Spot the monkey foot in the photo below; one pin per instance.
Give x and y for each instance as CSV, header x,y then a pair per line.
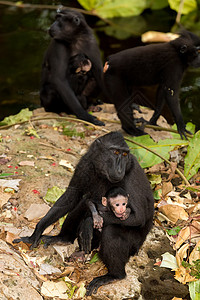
x,y
97,282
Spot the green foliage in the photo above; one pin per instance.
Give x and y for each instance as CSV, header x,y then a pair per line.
x,y
188,5
159,4
174,231
193,268
192,158
23,115
163,147
94,259
114,8
3,175
53,194
70,130
126,8
125,27
194,288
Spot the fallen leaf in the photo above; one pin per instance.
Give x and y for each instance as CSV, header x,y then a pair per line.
x,y
36,211
66,164
10,183
54,289
174,212
183,236
4,197
195,254
81,291
27,163
166,188
168,261
181,254
183,275
46,269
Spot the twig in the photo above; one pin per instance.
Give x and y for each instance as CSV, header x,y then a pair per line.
x,y
155,127
178,17
59,149
54,7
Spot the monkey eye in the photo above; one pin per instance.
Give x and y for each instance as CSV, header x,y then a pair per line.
x,y
117,204
76,20
124,153
124,204
116,152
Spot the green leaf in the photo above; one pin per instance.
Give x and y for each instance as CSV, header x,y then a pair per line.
x,y
188,5
154,179
192,158
2,175
23,115
53,194
174,231
163,147
194,288
114,8
125,27
157,194
157,4
94,259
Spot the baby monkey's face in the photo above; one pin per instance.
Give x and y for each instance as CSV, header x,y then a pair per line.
x,y
118,205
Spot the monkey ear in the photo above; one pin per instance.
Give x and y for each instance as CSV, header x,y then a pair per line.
x,y
104,201
183,49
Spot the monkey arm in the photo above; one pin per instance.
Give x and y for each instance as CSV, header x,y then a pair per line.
x,y
97,219
133,219
58,210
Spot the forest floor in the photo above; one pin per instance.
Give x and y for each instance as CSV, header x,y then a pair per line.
x,y
39,163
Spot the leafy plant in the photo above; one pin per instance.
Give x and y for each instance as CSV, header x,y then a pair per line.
x,y
194,268
70,130
174,231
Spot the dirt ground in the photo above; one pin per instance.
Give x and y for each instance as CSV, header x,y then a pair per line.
x,y
36,162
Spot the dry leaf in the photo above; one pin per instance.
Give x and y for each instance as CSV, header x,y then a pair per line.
x,y
54,289
166,188
27,163
181,254
11,183
183,236
195,254
66,164
4,197
183,275
174,212
36,211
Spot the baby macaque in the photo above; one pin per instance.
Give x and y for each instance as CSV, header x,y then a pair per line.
x,y
115,200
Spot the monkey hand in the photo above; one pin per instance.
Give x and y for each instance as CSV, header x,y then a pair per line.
x,y
126,214
98,221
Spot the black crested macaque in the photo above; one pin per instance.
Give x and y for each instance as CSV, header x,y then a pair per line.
x,y
70,36
107,163
81,78
116,201
159,64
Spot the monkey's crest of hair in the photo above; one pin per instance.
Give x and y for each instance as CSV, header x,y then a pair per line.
x,y
112,138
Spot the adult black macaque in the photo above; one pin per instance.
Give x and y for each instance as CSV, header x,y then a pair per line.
x,y
107,163
70,36
163,64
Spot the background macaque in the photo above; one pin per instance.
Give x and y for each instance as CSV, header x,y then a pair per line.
x,y
115,200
